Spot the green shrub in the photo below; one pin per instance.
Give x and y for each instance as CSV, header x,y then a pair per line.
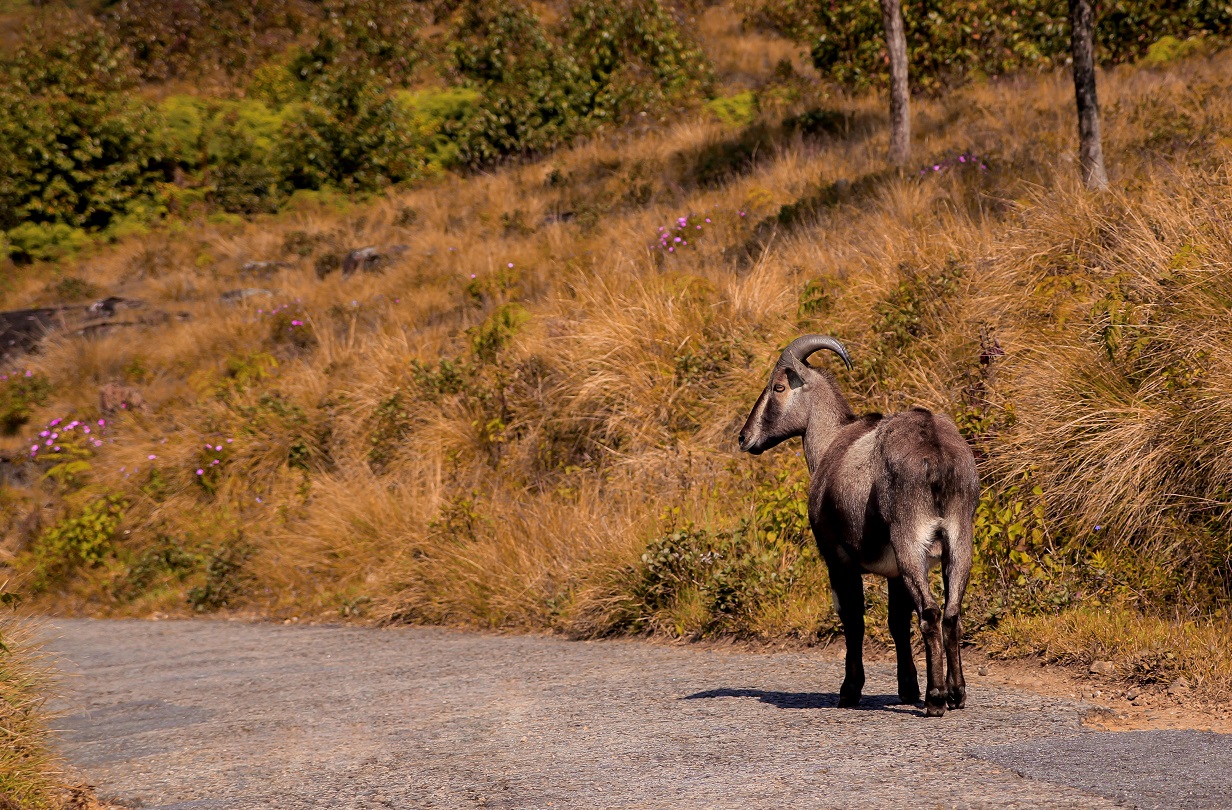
x,y
225,577
190,38
949,43
74,148
350,134
1168,49
45,241
533,94
434,115
736,110
635,56
20,394
497,330
363,37
81,540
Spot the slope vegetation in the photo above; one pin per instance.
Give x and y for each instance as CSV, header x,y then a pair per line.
x,y
520,410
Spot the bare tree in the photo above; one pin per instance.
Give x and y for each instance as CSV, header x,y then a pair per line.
x,y
1082,46
900,95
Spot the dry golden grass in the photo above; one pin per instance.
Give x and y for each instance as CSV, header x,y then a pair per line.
x,y
365,480
30,778
1142,649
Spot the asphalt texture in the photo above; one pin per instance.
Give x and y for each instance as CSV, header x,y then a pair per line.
x,y
213,715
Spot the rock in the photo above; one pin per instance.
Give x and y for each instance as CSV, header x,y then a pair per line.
x,y
114,398
236,296
982,670
1132,693
1102,668
22,330
371,259
263,268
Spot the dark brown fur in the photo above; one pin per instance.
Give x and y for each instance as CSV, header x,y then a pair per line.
x,y
889,495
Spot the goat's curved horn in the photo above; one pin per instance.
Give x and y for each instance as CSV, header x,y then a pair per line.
x,y
800,348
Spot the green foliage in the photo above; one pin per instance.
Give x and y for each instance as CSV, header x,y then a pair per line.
x,y
74,148
167,558
533,95
704,582
241,372
635,57
497,330
951,42
362,37
20,394
226,581
737,110
81,540
434,115
210,464
46,241
813,302
349,134
613,59
391,424
1168,49
193,38
72,288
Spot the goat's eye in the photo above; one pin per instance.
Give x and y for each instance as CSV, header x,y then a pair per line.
x,y
779,388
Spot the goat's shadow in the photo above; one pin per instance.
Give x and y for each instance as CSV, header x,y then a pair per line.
x,y
809,700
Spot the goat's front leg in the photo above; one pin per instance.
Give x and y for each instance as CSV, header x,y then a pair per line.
x,y
913,565
901,609
848,589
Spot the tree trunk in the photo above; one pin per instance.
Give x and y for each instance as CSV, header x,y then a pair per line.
x,y
900,95
1082,45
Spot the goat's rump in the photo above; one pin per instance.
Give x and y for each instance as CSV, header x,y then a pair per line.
x,y
928,465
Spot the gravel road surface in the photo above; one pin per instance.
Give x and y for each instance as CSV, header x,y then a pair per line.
x,y
213,715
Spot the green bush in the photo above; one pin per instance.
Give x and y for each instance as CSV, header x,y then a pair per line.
x,y
44,241
951,42
612,60
20,394
533,95
225,577
737,110
374,38
635,57
81,540
191,38
74,148
350,133
434,115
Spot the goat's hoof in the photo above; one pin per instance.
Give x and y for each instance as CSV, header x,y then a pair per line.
x,y
909,696
934,706
847,701
957,698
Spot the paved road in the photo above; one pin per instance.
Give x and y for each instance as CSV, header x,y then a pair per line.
x,y
213,715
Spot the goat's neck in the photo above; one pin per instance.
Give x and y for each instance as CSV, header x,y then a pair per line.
x,y
825,421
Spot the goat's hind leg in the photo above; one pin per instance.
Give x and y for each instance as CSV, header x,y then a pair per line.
x,y
913,567
955,571
901,610
848,589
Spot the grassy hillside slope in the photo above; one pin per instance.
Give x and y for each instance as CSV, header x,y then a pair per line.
x,y
527,418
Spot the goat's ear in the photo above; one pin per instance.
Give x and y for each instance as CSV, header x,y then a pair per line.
x,y
793,378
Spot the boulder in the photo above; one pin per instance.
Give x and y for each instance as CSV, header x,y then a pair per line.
x,y
263,268
371,259
22,330
238,296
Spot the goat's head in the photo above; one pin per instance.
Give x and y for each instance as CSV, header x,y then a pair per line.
x,y
795,389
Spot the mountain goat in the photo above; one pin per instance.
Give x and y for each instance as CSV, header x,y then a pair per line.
x,y
890,495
